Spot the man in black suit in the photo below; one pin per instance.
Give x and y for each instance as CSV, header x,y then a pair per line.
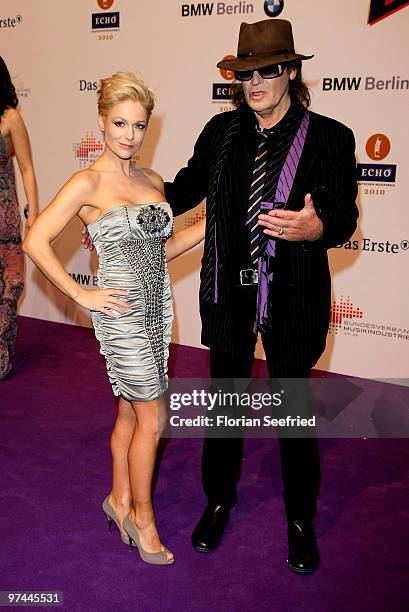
x,y
267,273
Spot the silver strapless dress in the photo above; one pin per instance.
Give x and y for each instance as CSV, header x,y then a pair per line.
x,y
129,241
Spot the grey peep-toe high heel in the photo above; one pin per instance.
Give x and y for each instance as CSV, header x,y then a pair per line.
x,y
158,558
112,517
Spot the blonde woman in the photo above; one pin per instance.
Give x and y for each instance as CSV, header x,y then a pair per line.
x,y
130,224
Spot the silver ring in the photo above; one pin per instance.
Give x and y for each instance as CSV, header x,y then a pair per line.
x,y
281,231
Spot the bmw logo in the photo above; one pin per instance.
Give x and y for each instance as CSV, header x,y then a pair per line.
x,y
273,8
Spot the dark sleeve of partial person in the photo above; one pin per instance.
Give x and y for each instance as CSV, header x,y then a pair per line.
x,y
190,185
335,203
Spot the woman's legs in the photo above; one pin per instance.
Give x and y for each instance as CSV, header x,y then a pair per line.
x,y
121,496
134,443
150,421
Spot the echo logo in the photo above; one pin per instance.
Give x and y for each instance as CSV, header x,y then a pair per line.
x,y
227,74
105,4
105,21
221,91
378,147
376,173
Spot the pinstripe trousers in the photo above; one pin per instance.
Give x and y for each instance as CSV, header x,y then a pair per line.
x,y
222,457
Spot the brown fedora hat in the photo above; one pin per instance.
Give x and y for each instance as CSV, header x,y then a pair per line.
x,y
263,43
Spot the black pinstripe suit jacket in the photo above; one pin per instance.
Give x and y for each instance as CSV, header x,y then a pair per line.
x,y
299,296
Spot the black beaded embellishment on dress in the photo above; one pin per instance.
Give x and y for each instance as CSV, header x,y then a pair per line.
x,y
153,218
147,260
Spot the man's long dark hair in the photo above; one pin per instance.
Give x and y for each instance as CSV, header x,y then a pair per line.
x,y
8,96
298,89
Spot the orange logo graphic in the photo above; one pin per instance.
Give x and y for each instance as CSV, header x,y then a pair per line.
x,y
378,146
228,74
344,310
105,4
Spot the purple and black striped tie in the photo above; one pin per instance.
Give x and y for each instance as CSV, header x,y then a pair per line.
x,y
256,193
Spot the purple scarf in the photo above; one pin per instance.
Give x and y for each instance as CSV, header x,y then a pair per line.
x,y
284,186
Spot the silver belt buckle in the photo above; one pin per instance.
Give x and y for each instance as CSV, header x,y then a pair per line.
x,y
248,277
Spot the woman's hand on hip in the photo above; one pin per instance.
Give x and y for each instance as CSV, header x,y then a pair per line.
x,y
104,300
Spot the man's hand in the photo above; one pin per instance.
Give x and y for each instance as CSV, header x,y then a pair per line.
x,y
86,239
292,225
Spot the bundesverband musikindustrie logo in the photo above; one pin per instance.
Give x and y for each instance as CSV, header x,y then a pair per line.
x,y
87,150
350,320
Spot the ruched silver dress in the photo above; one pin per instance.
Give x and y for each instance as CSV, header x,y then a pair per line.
x,y
130,243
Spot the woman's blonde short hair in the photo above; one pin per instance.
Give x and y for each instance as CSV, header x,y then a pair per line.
x,y
122,86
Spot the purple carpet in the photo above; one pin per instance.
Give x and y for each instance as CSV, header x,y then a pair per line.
x,y
57,411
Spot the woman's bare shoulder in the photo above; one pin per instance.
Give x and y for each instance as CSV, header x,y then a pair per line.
x,y
12,117
82,183
154,177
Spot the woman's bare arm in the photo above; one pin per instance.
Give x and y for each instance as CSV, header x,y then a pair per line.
x,y
22,148
184,240
37,244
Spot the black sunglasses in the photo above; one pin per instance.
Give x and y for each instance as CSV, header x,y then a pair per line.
x,y
267,72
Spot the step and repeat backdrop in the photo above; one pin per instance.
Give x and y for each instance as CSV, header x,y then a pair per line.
x,y
57,52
